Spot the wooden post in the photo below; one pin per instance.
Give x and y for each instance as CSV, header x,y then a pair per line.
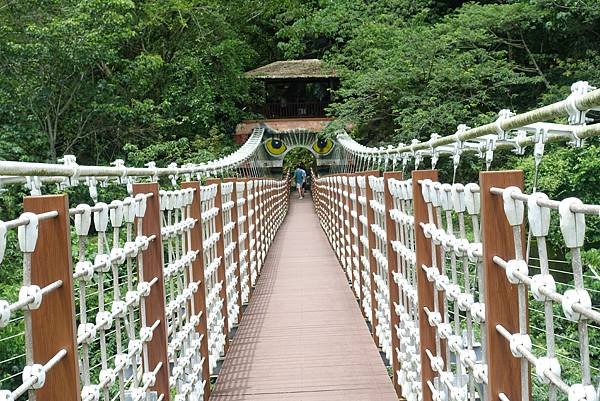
x,y
247,239
372,261
425,289
252,235
392,259
501,297
53,324
236,237
348,231
198,276
221,254
155,302
359,233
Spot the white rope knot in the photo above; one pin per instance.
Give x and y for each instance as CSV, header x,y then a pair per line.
x,y
134,348
90,392
102,262
31,296
84,270
541,282
544,365
144,288
118,256
580,392
108,376
437,364
516,266
5,313
119,309
480,373
36,374
121,361
86,333
519,340
455,343
104,320
575,296
465,301
142,242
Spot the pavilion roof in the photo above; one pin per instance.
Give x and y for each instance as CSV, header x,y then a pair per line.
x,y
289,69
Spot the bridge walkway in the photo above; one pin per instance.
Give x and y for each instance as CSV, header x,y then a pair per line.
x,y
302,336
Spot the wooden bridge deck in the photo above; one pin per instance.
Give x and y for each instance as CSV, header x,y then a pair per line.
x,y
302,336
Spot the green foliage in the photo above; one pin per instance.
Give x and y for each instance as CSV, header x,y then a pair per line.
x,y
88,77
413,68
299,156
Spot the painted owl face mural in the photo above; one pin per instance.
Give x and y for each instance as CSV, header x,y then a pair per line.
x,y
277,145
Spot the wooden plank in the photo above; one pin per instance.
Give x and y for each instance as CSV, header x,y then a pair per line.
x,y
53,324
425,289
221,254
198,276
501,297
303,337
392,259
155,302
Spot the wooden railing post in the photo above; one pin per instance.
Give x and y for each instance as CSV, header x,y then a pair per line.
x,y
392,260
155,301
501,297
235,237
53,324
252,229
247,239
221,276
425,289
354,235
330,211
372,261
198,276
348,230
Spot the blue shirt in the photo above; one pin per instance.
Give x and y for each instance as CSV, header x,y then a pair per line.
x,y
299,175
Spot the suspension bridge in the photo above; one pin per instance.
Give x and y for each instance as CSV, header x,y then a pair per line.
x,y
210,282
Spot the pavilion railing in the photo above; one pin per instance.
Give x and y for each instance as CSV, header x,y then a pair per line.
x,y
444,277
295,110
133,299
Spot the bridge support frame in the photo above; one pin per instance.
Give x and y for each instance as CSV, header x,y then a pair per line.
x,y
392,260
501,297
372,261
198,276
425,290
50,262
155,302
221,276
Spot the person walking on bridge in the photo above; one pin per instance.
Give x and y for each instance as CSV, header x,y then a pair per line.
x,y
300,178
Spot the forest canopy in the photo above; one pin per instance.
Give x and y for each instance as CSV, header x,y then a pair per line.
x,y
90,77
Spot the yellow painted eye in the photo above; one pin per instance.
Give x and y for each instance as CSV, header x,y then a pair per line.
x,y
323,146
275,146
